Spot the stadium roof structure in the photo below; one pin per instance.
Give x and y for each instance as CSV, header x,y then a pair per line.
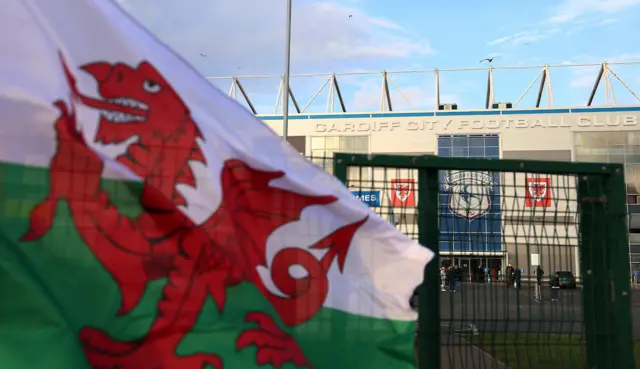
x,y
540,88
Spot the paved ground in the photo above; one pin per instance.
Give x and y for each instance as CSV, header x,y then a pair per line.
x,y
496,308
481,308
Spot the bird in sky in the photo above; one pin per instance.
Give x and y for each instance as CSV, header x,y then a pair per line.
x,y
203,55
488,59
350,16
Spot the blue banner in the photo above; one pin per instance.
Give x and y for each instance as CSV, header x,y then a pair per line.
x,y
370,198
469,203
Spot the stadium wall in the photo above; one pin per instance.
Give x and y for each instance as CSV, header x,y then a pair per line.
x,y
539,134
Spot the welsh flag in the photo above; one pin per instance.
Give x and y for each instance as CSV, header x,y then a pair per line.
x,y
149,222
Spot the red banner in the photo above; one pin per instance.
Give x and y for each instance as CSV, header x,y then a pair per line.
x,y
538,192
403,192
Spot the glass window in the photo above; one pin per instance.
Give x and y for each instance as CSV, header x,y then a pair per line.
x,y
358,173
632,149
347,144
319,162
632,177
458,152
476,141
444,142
492,141
615,138
615,150
591,158
332,143
361,144
492,152
593,151
591,139
633,138
444,151
634,238
633,158
616,159
476,152
318,153
317,143
460,142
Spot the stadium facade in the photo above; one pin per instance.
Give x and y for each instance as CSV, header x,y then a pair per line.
x,y
573,134
489,235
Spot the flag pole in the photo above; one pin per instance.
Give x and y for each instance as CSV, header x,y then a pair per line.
x,y
285,78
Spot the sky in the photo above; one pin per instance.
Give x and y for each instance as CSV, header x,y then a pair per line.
x,y
224,38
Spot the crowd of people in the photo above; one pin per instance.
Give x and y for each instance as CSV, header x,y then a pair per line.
x,y
451,277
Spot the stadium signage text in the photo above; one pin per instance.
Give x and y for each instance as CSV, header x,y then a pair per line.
x,y
475,123
370,198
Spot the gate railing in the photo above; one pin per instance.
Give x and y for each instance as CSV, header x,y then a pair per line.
x,y
543,247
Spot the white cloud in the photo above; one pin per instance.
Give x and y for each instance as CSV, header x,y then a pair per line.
x,y
247,36
524,37
570,10
607,21
499,40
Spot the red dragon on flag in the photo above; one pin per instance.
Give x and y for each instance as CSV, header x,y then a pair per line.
x,y
198,260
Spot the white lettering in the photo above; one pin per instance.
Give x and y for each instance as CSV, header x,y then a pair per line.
x,y
630,120
521,123
613,122
480,123
597,123
363,127
334,128
367,197
412,126
349,127
493,124
537,123
584,122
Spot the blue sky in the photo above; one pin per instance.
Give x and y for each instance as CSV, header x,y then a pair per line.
x,y
246,37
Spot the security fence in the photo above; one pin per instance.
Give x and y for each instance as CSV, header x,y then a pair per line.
x,y
532,267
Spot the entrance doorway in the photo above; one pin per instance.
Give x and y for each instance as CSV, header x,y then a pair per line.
x,y
473,267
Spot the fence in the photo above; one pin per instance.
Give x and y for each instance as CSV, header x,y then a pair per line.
x,y
542,276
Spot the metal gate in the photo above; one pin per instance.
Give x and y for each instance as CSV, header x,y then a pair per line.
x,y
543,247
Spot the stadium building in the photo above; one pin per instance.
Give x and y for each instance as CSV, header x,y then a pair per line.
x,y
488,235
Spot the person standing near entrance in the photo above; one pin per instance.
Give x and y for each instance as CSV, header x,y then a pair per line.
x,y
508,275
517,275
457,275
539,274
451,280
